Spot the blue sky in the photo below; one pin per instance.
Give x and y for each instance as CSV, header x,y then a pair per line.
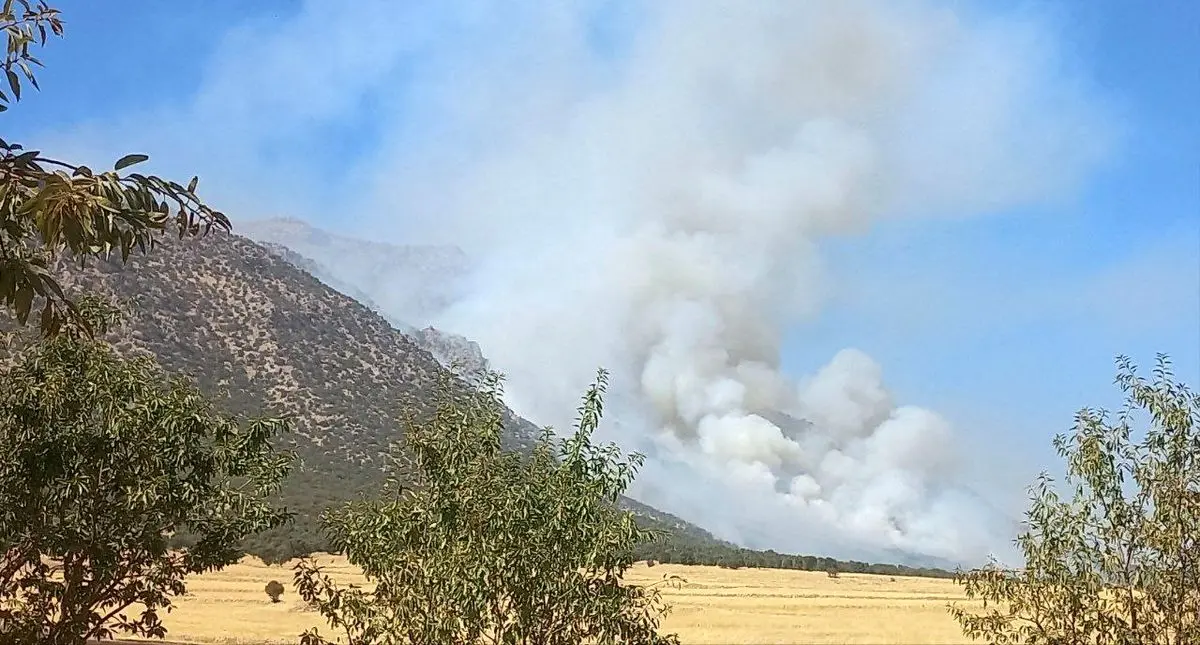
x,y
1135,223
1006,322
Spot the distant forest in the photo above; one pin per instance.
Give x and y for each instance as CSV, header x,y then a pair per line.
x,y
673,552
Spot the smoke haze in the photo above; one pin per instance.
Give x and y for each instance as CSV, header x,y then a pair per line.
x,y
646,186
663,219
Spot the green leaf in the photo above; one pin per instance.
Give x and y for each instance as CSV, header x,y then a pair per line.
x,y
14,83
47,320
129,160
22,302
29,74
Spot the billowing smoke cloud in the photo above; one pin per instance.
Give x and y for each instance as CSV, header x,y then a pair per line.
x,y
645,186
658,212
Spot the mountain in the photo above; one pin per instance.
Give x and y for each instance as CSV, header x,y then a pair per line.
x,y
411,282
259,334
322,273
452,351
322,254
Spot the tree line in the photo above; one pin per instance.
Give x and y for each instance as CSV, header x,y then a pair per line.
x,y
671,552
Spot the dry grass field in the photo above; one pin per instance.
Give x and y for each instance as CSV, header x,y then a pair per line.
x,y
714,606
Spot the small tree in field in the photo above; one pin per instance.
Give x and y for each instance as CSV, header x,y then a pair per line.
x,y
274,590
104,461
1118,562
471,544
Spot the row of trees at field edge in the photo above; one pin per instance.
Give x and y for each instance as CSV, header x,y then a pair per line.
x,y
669,552
105,461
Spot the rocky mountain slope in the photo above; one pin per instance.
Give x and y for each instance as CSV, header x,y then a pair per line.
x,y
261,334
452,351
411,282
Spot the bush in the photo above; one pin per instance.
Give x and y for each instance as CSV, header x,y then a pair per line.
x,y
274,590
833,573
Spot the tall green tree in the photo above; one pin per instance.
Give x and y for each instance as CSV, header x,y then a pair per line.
x,y
52,209
1118,562
105,463
472,544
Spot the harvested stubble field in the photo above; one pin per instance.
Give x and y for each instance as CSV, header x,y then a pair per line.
x,y
715,605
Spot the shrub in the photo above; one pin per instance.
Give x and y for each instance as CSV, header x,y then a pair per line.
x,y
274,590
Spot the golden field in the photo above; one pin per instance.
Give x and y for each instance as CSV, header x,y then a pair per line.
x,y
715,605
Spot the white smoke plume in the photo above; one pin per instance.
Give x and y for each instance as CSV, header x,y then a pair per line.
x,y
659,212
645,186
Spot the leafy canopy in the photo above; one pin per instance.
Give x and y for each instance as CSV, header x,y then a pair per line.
x,y
104,460
50,208
472,544
1118,562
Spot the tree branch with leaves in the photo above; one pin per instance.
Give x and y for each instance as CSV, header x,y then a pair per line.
x,y
51,209
1119,561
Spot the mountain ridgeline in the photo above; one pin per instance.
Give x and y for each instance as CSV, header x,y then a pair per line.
x,y
260,327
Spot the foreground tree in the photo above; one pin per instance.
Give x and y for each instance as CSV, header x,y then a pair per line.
x,y
472,544
104,462
50,208
1118,562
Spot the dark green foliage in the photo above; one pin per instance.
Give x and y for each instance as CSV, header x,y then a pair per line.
x,y
274,589
676,547
1118,562
104,460
474,544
